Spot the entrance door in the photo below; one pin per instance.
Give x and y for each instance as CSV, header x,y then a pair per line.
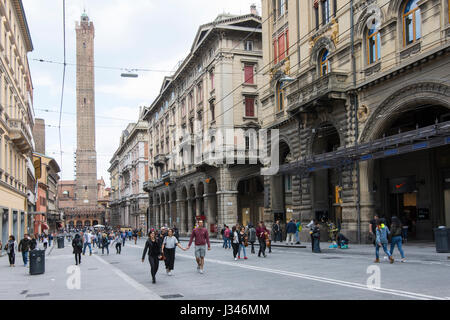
x,y
245,216
404,206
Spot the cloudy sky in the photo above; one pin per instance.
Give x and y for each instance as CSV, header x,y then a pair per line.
x,y
149,34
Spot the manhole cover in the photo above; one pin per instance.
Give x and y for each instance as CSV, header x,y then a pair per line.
x,y
37,295
172,296
114,262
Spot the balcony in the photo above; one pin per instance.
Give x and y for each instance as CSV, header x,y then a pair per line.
x,y
323,90
20,135
159,160
169,176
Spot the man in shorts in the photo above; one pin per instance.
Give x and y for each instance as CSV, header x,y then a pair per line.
x,y
201,239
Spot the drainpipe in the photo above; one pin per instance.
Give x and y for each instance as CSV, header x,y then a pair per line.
x,y
355,104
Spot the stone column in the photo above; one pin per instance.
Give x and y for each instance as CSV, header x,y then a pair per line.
x,y
190,216
198,208
181,204
227,207
167,213
157,217
210,207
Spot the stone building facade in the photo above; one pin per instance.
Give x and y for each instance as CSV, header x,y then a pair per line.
x,y
214,88
17,180
360,94
128,172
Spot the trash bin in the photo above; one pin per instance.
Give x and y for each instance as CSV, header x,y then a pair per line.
x,y
60,241
37,262
442,238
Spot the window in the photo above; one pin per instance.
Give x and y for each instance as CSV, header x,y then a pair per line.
x,y
248,46
325,11
324,63
212,108
373,45
282,6
275,52
411,22
249,107
211,77
287,183
281,46
248,74
280,97
199,93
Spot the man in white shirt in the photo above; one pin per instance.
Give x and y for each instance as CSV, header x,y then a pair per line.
x,y
87,238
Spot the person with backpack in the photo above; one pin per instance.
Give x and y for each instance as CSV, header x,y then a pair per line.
x,y
77,245
396,237
222,232
11,248
382,233
24,247
299,229
252,236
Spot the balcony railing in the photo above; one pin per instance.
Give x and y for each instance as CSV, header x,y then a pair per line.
x,y
159,159
20,135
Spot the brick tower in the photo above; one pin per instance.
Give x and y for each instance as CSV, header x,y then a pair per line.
x,y
86,156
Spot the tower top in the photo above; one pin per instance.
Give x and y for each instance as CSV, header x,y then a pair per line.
x,y
84,16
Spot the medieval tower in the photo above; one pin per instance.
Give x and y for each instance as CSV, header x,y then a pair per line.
x,y
86,156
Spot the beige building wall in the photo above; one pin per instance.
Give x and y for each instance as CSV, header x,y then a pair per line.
x,y
16,118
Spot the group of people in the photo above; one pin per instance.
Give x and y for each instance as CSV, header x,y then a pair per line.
x,y
27,244
161,246
381,234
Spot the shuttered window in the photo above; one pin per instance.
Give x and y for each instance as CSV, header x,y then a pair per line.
x,y
249,107
248,74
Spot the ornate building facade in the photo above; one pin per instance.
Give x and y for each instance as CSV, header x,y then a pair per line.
x,y
17,177
214,88
360,93
128,172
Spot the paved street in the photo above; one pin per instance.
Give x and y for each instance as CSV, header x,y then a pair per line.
x,y
286,273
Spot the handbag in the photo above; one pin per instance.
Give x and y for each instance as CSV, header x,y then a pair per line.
x,y
162,257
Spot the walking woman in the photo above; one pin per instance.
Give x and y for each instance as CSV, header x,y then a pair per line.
x,y
396,233
77,245
11,248
235,242
45,241
261,233
118,242
154,253
382,233
168,247
105,244
242,242
315,234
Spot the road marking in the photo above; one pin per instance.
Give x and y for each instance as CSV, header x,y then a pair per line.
x,y
354,285
143,289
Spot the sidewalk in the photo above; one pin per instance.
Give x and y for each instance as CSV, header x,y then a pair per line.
x,y
417,251
99,280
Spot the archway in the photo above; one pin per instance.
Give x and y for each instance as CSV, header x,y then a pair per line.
x,y
79,224
324,182
192,208
87,223
250,200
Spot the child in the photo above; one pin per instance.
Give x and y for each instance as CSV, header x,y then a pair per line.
x,y
382,233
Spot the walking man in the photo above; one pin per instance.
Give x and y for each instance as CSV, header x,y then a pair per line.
x,y
24,247
291,229
252,236
87,243
201,239
261,233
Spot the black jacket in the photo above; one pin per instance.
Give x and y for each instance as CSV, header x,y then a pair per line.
x,y
24,245
77,245
33,244
154,248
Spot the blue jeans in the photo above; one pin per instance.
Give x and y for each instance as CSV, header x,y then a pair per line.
x,y
87,245
25,258
225,243
243,248
397,240
297,238
377,250
228,240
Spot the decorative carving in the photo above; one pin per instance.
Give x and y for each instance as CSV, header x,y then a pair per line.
x,y
363,113
410,50
335,31
373,69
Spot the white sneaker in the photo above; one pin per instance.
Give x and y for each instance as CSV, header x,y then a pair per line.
x,y
169,273
403,260
201,271
235,259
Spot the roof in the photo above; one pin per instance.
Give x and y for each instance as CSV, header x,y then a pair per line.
x,y
18,5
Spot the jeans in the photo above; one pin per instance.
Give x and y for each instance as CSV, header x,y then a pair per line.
x,y
297,236
243,248
397,240
25,258
377,250
77,258
118,247
12,257
107,249
262,247
49,243
87,245
154,265
253,246
225,243
123,241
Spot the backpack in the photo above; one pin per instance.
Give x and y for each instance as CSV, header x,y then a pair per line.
x,y
78,243
227,233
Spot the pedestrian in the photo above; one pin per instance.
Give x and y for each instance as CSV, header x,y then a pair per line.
x,y
276,229
135,236
168,247
176,233
130,234
298,224
235,241
315,235
222,233
261,234
50,239
373,229
396,237
105,244
252,236
153,247
87,237
243,242
124,237
201,239
24,247
45,241
382,233
33,244
118,242
11,249
291,229
228,237
77,245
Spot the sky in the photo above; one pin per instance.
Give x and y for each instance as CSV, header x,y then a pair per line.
x,y
138,34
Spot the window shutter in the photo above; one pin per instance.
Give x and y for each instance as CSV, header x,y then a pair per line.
x,y
281,48
248,74
275,52
249,107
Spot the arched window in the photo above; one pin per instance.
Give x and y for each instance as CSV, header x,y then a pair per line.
x,y
373,45
324,63
412,24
